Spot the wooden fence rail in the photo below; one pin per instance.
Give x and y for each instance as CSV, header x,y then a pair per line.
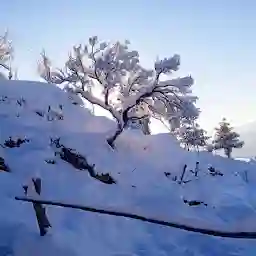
x,y
217,233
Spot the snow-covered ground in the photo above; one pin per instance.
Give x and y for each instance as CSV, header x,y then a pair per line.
x,y
138,165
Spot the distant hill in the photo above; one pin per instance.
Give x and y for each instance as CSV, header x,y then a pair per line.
x,y
248,134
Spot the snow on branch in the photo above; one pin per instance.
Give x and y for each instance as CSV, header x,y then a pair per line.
x,y
128,91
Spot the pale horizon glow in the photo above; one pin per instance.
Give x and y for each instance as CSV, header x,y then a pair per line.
x,y
215,40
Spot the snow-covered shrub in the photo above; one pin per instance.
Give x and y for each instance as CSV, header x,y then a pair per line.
x,y
127,90
226,138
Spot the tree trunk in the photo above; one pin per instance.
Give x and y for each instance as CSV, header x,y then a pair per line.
x,y
145,126
106,97
228,152
140,124
120,128
112,139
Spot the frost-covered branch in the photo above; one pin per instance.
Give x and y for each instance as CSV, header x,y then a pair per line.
x,y
6,52
94,100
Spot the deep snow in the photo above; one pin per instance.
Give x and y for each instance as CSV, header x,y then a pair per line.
x,y
138,164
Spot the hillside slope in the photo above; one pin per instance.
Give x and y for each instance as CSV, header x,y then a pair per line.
x,y
138,165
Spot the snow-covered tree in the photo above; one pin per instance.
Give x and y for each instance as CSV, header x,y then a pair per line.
x,y
226,138
128,91
6,51
192,136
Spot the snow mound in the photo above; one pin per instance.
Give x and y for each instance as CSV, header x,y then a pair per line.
x,y
146,170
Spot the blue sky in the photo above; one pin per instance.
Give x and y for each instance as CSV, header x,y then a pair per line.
x,y
216,41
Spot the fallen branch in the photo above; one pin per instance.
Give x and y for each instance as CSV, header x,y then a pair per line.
x,y
79,162
245,235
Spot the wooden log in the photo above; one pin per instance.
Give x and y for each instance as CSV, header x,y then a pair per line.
x,y
42,219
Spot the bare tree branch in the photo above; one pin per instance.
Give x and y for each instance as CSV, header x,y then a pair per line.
x,y
95,66
5,66
141,96
106,96
88,96
132,84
